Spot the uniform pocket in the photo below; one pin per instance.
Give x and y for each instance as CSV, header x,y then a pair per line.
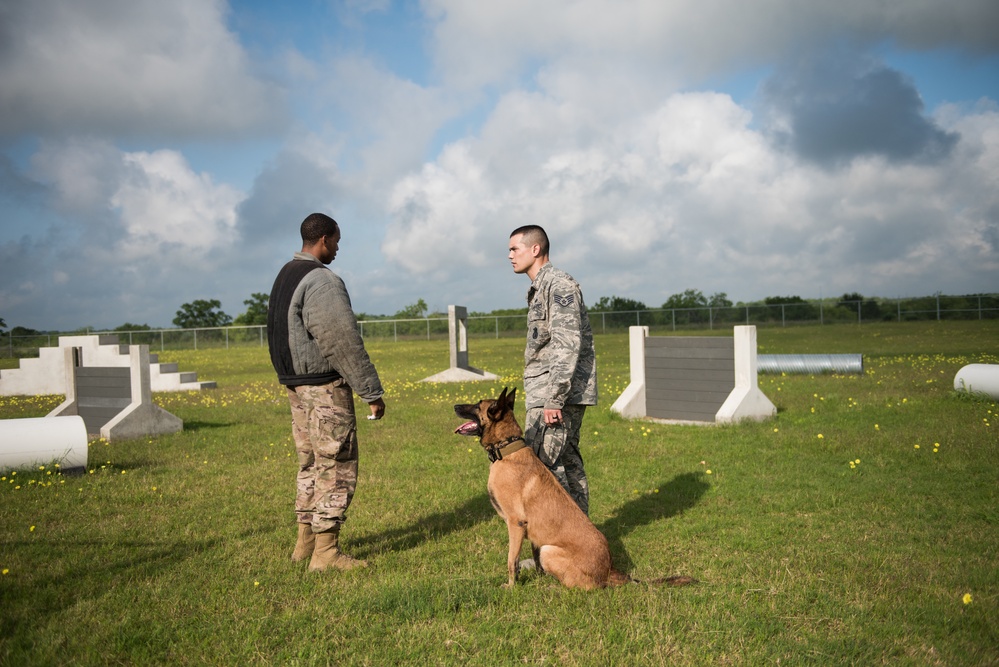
x,y
537,311
538,330
337,433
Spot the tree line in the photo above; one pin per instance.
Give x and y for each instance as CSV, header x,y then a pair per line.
x,y
208,313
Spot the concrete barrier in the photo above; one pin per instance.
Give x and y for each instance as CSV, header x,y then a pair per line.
x,y
460,370
44,374
115,405
696,380
746,400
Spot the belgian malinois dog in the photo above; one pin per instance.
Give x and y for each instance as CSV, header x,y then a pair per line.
x,y
527,496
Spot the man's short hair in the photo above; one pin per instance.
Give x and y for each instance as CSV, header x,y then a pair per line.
x,y
316,226
533,234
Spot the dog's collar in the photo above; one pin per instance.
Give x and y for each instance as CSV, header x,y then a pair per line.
x,y
497,451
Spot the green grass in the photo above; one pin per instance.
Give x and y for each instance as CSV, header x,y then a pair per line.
x,y
175,549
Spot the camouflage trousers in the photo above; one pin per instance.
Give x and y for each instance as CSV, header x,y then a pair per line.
x,y
558,448
325,431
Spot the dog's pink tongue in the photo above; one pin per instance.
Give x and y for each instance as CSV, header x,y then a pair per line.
x,y
468,428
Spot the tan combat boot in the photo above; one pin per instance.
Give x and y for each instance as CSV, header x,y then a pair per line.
x,y
305,544
327,554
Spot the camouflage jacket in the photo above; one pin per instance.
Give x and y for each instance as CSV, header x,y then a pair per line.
x,y
560,364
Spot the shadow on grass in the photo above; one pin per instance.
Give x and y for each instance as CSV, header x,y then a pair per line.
x,y
674,497
467,515
195,425
28,602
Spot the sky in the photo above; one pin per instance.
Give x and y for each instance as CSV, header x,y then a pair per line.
x,y
157,153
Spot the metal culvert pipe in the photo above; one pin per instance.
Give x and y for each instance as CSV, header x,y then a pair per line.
x,y
810,363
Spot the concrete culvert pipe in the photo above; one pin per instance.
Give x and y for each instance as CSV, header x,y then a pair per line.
x,y
810,363
26,443
978,379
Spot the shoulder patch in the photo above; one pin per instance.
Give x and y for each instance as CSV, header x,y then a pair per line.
x,y
564,301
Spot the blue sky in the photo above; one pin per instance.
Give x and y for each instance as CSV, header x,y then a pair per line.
x,y
152,154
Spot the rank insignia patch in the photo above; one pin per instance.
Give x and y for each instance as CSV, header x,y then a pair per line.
x,y
564,301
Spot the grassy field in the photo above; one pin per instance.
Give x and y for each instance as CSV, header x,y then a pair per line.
x,y
858,527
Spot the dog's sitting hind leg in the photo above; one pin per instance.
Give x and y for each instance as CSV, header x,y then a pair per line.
x,y
536,553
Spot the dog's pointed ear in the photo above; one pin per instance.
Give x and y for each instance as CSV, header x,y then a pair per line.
x,y
506,397
501,405
510,398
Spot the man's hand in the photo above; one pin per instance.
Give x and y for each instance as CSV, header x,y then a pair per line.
x,y
553,417
377,409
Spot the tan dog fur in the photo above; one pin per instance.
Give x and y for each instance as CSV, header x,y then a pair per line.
x,y
534,505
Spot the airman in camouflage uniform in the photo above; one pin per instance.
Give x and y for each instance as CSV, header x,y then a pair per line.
x,y
560,372
319,356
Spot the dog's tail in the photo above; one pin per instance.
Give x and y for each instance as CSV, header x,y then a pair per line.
x,y
615,578
676,580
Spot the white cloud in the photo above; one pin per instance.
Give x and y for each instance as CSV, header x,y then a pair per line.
x,y
83,173
481,43
392,121
137,203
440,208
162,201
134,235
696,196
128,67
707,136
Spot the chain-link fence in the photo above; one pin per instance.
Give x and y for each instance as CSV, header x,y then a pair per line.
x,y
937,307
